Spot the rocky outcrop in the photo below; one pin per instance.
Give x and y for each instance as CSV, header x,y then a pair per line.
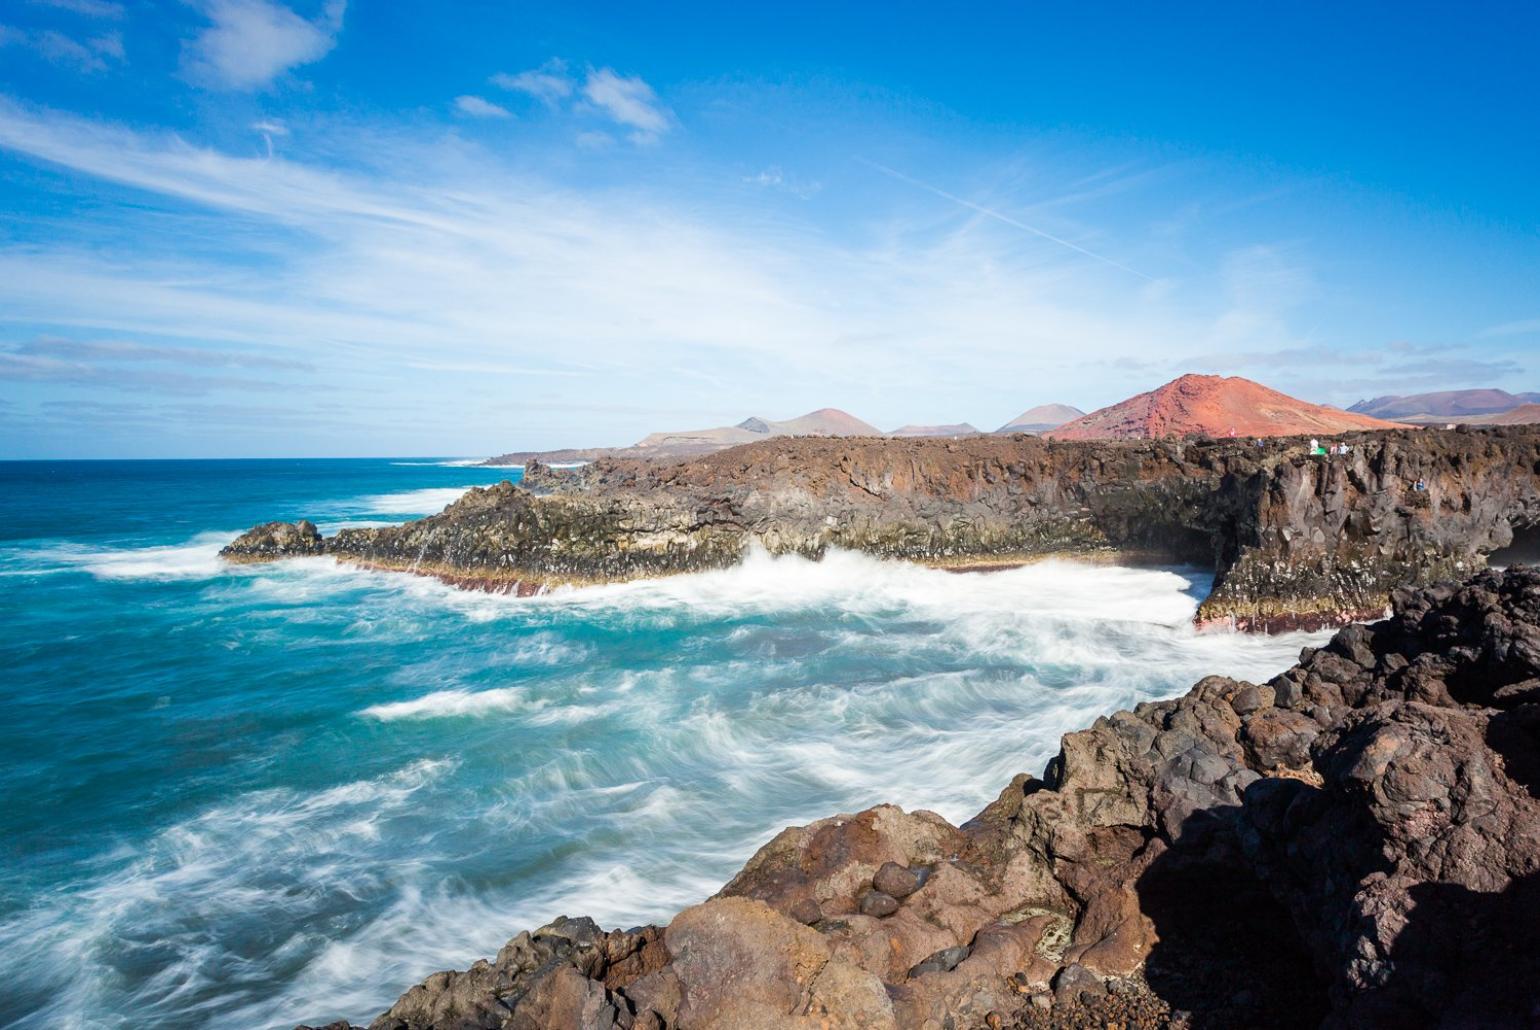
x,y
274,540
1296,539
1352,844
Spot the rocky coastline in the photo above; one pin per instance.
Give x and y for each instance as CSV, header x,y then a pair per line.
x,y
1296,540
1355,843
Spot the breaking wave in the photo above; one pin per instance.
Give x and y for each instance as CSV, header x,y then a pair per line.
x,y
198,558
430,501
382,758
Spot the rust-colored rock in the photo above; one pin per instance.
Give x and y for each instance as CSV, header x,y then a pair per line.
x,y
1217,406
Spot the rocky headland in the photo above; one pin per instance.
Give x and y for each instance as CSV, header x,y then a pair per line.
x,y
1355,843
1295,539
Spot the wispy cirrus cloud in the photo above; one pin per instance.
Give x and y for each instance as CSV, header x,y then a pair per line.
x,y
107,368
1523,327
477,107
249,43
66,350
1368,370
463,289
549,83
626,101
775,178
94,54
88,8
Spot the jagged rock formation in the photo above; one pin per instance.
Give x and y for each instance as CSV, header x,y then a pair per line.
x,y
274,540
1213,406
1296,539
1355,843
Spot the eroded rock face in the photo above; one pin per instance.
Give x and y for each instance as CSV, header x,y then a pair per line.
x,y
274,540
1355,842
1297,540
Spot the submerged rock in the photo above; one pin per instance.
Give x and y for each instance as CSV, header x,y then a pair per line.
x,y
1355,843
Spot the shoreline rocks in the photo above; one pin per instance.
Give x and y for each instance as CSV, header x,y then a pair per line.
x,y
1354,843
1297,540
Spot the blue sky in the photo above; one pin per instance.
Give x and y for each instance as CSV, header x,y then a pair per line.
x,y
243,227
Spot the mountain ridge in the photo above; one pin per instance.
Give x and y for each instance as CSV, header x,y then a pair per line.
x,y
1444,403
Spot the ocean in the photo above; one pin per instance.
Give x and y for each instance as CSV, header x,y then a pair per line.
x,y
258,795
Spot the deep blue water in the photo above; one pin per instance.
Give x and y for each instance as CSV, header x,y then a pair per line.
x,y
249,796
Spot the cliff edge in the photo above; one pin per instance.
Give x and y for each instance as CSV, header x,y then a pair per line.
x,y
1295,538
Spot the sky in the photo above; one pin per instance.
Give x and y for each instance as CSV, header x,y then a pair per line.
x,y
388,227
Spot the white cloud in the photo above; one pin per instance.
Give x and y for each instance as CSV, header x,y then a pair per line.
x,y
249,43
91,56
444,260
775,178
1523,327
548,83
628,101
476,107
594,140
89,8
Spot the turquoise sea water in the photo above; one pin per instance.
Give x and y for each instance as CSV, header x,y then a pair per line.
x,y
250,796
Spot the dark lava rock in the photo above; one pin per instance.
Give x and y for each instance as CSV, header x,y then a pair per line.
x,y
273,540
878,904
1076,983
1296,540
897,880
806,911
943,961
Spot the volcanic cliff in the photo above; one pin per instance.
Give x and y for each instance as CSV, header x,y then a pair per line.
x,y
1355,843
1295,538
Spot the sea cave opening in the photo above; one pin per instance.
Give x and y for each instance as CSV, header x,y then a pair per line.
x,y
1523,550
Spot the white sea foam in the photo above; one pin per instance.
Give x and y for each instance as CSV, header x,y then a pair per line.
x,y
429,501
861,584
197,558
274,857
638,741
449,703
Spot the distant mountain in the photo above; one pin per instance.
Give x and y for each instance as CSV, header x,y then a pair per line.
x,y
1217,406
1521,415
960,429
1041,419
1445,405
823,422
